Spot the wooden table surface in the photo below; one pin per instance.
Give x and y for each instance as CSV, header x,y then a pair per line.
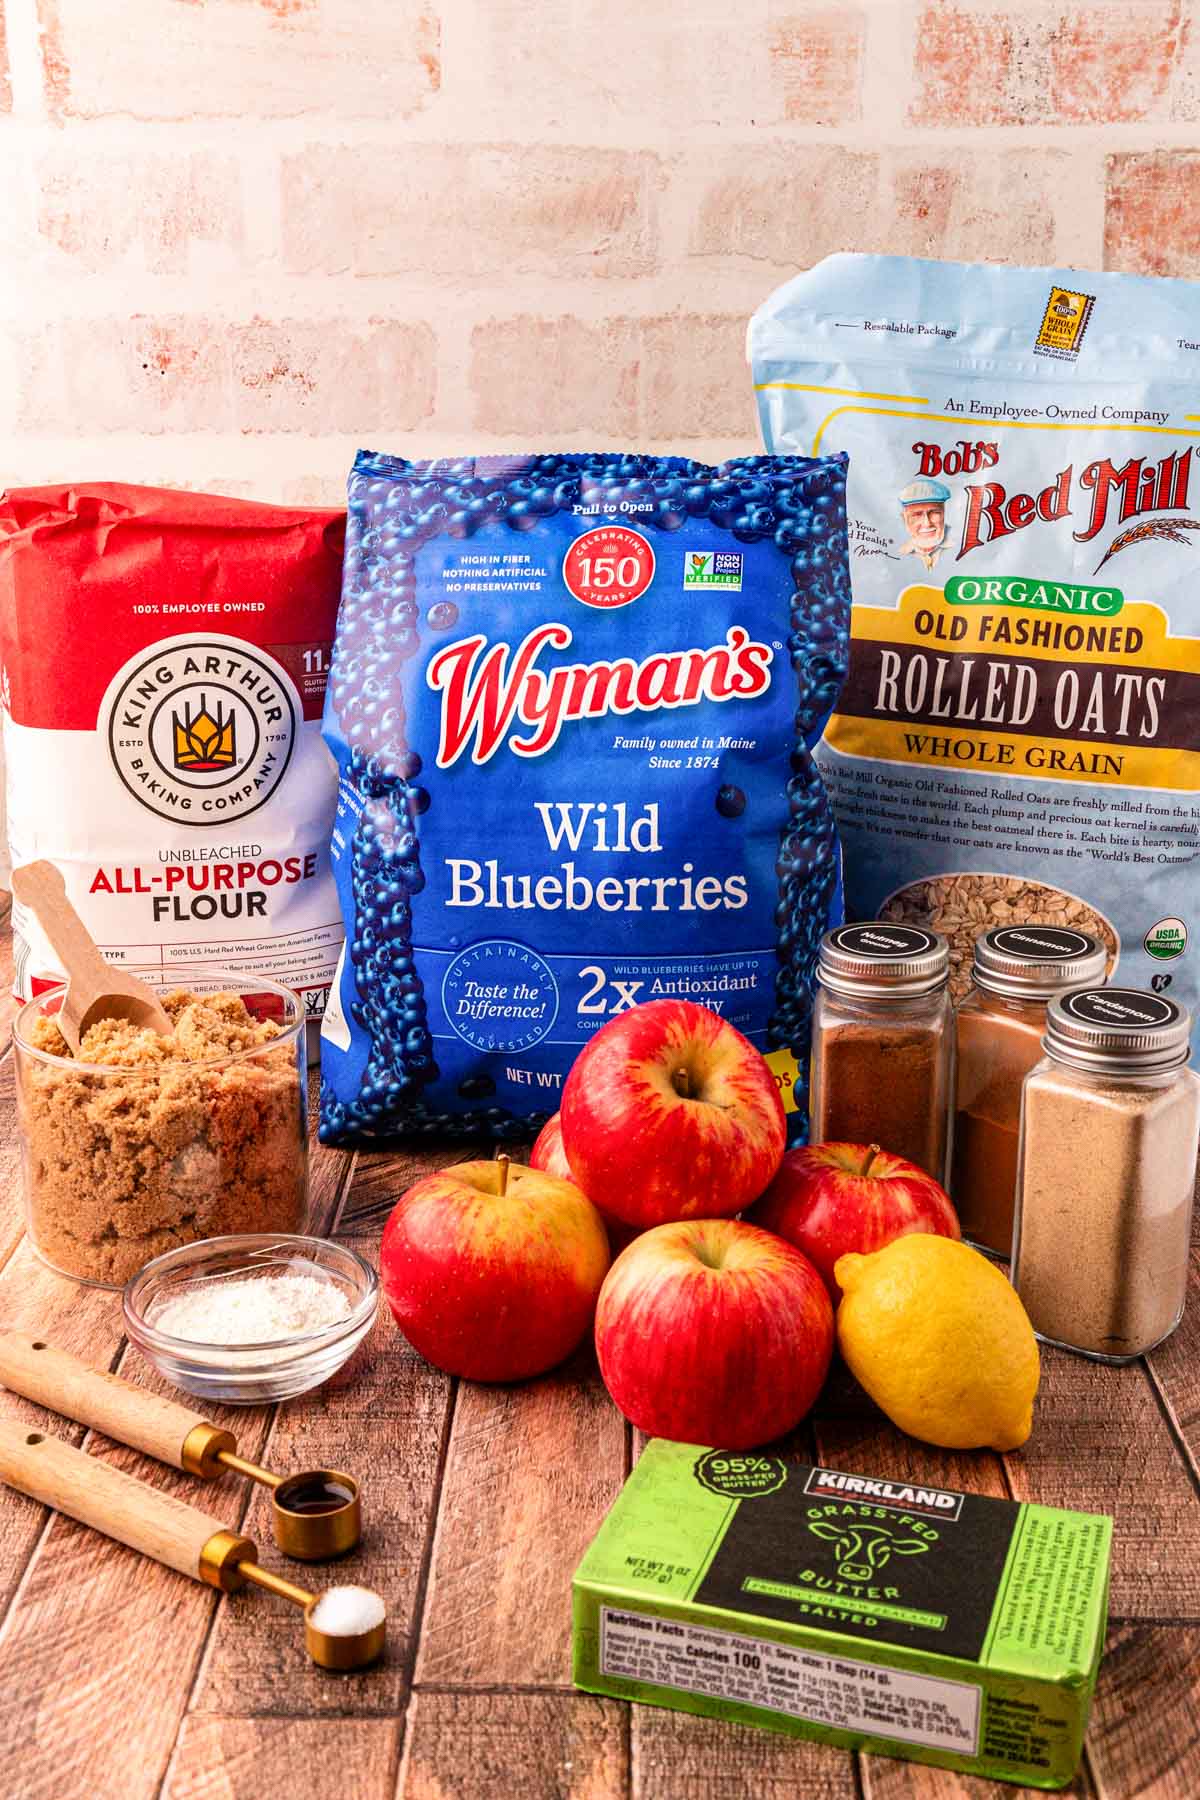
x,y
120,1680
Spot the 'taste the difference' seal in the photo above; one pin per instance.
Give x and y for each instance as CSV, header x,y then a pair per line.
x,y
500,995
202,729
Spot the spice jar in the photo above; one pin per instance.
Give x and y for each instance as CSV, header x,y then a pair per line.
x,y
883,1042
1017,970
1110,1124
142,1143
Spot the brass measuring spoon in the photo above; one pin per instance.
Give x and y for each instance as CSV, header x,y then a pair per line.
x,y
315,1515
183,1538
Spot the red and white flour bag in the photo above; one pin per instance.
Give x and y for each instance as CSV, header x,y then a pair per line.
x,y
164,665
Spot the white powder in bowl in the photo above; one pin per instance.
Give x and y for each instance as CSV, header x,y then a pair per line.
x,y
254,1309
347,1611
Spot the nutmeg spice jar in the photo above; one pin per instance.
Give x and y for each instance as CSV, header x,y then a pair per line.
x,y
1017,971
883,1042
1110,1126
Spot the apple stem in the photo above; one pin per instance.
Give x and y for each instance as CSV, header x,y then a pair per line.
x,y
681,1083
872,1153
503,1162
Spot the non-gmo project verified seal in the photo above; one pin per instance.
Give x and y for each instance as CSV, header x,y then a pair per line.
x,y
712,569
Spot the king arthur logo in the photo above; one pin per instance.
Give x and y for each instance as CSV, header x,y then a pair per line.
x,y
203,742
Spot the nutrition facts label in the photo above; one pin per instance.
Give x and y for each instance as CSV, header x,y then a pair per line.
x,y
829,1690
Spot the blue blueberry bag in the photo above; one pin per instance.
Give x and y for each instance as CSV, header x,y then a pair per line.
x,y
573,703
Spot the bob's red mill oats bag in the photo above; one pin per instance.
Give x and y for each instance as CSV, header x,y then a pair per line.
x,y
164,666
1019,736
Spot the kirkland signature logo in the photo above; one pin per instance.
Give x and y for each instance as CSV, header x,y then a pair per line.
x,y
884,1493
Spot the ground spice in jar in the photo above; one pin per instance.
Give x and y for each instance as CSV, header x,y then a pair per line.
x,y
1017,970
883,1042
148,1142
1110,1131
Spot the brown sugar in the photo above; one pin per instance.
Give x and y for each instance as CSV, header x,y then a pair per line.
x,y
883,1084
147,1142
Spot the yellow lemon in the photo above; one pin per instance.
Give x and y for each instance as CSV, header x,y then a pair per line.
x,y
938,1337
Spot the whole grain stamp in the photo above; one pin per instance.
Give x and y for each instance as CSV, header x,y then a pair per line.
x,y
148,1142
1018,738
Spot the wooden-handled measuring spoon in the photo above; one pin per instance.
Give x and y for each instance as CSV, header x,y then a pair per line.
x,y
344,1628
315,1514
95,989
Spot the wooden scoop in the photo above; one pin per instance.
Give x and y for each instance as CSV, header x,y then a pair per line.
x,y
95,989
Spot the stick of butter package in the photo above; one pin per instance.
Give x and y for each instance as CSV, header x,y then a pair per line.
x,y
1019,736
904,1619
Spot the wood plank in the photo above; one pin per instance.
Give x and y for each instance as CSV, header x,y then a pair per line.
x,y
495,1746
690,1758
84,1321
1144,1742
99,1645
243,1759
531,1471
383,1419
381,1176
329,1171
886,1778
1101,1444
12,1193
1175,1370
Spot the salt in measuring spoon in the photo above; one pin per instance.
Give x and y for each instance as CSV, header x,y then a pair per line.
x,y
315,1514
344,1628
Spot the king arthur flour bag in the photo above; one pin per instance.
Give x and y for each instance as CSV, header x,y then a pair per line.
x,y
1019,736
164,665
573,703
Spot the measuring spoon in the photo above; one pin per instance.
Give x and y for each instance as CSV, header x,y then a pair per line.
x,y
176,1534
95,989
315,1515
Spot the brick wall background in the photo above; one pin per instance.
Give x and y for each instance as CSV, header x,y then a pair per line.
x,y
240,237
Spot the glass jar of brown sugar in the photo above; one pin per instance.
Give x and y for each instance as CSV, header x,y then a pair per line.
x,y
1110,1125
1018,970
883,1042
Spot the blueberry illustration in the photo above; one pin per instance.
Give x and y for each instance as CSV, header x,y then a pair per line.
x,y
731,801
442,615
476,1087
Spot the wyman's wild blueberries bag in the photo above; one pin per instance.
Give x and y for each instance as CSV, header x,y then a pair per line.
x,y
573,704
1019,736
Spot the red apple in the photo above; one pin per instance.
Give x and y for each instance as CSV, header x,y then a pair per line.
x,y
828,1199
492,1270
670,1113
711,1331
548,1154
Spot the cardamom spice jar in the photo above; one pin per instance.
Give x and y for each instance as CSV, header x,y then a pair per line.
x,y
1018,970
883,1042
1110,1126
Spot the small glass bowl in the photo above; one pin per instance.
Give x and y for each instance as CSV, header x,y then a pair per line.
x,y
251,1374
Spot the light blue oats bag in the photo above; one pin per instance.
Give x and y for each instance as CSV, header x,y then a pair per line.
x,y
1019,734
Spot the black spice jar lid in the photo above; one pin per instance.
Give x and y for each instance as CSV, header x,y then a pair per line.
x,y
1035,962
883,961
1117,1031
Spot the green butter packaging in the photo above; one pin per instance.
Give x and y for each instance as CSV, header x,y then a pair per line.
x,y
908,1620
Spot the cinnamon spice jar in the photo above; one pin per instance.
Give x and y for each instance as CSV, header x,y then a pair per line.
x,y
1018,970
883,1042
1110,1125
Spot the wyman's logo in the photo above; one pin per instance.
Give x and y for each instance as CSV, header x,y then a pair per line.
x,y
1103,493
496,694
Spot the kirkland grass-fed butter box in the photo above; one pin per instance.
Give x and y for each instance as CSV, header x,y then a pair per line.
x,y
903,1619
